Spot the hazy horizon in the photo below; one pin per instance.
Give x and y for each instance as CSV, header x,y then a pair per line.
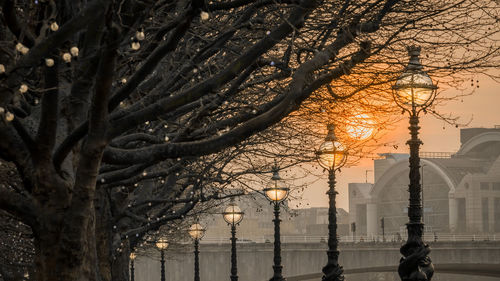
x,y
437,136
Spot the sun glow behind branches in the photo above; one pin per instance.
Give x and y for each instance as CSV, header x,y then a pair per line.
x,y
360,127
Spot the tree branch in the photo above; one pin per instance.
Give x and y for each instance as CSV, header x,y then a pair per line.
x,y
17,28
153,60
94,10
212,84
18,205
297,93
47,127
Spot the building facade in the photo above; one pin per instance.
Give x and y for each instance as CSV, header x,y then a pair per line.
x,y
461,191
258,226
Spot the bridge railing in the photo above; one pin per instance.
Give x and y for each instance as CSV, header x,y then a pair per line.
x,y
266,239
429,237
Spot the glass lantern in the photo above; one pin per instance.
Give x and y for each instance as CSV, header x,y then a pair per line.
x,y
414,86
162,244
331,153
196,231
232,214
277,191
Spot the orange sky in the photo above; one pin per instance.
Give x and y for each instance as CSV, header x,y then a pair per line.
x,y
483,107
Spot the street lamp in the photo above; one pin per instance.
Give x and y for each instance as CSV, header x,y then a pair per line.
x,y
423,198
132,258
233,216
196,231
414,91
162,245
382,225
332,156
276,193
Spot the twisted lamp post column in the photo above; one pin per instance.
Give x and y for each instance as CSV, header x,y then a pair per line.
x,y
234,266
415,189
332,157
277,267
277,193
132,274
332,271
233,216
196,261
162,261
414,92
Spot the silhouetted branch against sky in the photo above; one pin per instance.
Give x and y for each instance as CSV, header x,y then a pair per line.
x,y
101,101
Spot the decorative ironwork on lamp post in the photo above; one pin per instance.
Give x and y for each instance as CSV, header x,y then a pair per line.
x,y
277,193
414,91
162,245
332,156
132,259
233,216
196,231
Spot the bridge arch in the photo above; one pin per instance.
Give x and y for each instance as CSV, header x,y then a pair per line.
x,y
479,141
401,166
389,199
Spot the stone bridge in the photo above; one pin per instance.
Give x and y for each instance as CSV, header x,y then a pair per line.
x,y
303,261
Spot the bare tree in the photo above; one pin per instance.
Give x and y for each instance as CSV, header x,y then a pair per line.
x,y
16,238
94,93
16,245
165,200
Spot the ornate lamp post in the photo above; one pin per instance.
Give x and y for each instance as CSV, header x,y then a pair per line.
x,y
332,157
276,193
132,258
162,245
196,231
233,216
414,92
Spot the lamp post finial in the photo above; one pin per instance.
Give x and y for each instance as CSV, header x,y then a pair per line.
x,y
414,53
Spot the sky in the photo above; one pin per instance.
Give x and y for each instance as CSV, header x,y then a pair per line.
x,y
483,107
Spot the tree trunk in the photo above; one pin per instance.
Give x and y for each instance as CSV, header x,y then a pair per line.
x,y
60,258
113,253
64,235
103,235
120,268
10,275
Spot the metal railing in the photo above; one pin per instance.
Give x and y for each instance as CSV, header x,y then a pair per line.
x,y
430,154
429,237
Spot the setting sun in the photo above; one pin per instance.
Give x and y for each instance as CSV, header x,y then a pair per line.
x,y
361,127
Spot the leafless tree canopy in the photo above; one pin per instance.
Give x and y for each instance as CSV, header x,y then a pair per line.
x,y
122,116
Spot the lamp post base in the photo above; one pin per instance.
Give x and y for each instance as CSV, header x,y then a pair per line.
x,y
332,271
336,274
277,273
415,265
